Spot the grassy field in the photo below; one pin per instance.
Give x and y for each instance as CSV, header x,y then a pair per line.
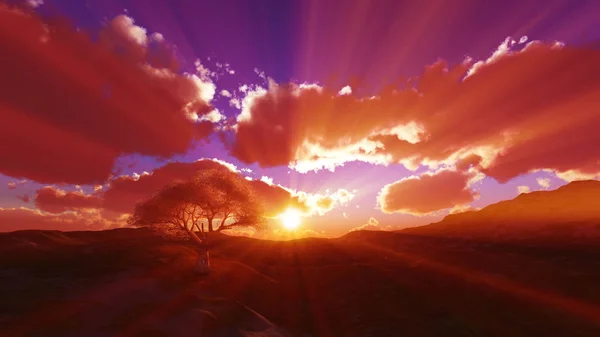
x,y
129,283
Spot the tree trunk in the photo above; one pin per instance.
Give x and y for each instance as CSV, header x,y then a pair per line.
x,y
210,224
203,262
195,238
202,265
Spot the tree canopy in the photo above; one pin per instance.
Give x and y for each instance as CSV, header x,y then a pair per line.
x,y
211,195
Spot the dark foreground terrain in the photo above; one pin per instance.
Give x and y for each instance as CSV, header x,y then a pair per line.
x,y
128,283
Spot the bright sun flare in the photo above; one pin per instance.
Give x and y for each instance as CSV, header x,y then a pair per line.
x,y
290,219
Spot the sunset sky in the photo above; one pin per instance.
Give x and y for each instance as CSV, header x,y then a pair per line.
x,y
371,114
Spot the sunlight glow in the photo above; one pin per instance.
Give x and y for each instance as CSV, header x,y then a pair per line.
x,y
290,219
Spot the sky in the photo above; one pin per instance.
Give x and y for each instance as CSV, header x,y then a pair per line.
x,y
362,114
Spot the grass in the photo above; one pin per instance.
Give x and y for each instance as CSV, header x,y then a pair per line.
x,y
365,284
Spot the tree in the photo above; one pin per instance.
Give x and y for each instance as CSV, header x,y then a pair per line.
x,y
226,196
176,209
170,211
173,212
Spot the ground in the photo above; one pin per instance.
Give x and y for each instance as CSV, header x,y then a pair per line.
x,y
129,283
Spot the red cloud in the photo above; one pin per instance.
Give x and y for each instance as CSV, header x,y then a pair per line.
x,y
52,200
12,185
427,193
530,106
94,101
124,192
276,198
24,198
12,219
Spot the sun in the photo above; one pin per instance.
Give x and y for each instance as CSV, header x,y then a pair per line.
x,y
290,219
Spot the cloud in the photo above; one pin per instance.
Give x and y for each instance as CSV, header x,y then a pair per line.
x,y
56,201
573,175
543,182
462,208
225,93
124,192
503,49
12,185
523,189
267,180
276,199
316,203
34,3
430,192
347,90
94,100
12,219
371,225
235,102
214,116
24,198
530,106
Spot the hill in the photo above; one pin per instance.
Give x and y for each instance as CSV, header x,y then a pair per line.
x,y
569,213
128,282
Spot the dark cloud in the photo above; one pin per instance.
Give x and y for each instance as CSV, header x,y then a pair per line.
x,y
70,106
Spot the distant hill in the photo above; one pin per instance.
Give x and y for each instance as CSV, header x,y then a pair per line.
x,y
571,212
131,282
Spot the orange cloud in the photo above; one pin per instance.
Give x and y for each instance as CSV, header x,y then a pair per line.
x,y
94,100
529,106
12,185
461,209
125,191
523,189
53,200
543,182
12,219
277,199
427,193
371,225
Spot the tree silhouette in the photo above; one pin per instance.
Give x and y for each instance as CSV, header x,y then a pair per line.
x,y
170,212
177,208
226,196
212,195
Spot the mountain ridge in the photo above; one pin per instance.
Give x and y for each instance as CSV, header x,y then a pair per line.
x,y
571,212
